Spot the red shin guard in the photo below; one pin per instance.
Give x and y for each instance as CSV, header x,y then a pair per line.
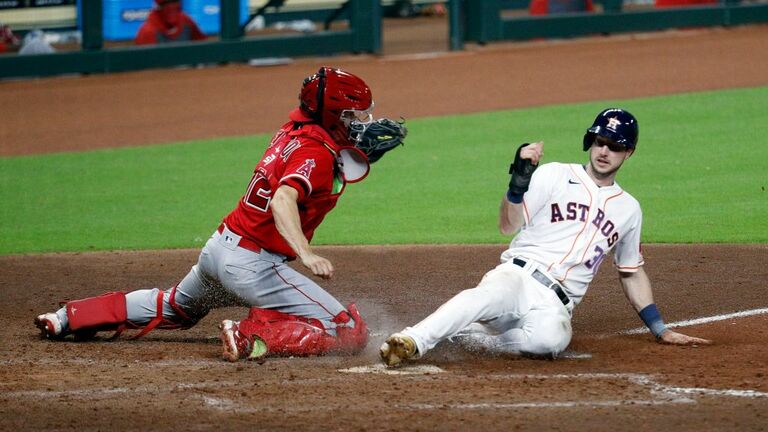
x,y
105,311
108,312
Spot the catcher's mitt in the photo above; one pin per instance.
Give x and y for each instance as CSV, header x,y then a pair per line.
x,y
382,136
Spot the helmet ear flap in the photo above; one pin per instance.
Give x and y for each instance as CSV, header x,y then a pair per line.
x,y
320,94
306,97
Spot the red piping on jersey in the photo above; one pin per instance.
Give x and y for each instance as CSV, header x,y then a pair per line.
x,y
586,222
274,267
597,230
525,211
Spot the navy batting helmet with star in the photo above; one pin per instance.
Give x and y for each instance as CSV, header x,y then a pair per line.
x,y
616,124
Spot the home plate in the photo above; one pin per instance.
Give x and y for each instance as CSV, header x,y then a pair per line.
x,y
402,370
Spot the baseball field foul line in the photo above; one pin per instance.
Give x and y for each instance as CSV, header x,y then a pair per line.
x,y
660,394
698,321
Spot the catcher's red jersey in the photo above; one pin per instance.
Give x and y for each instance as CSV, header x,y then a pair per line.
x,y
298,158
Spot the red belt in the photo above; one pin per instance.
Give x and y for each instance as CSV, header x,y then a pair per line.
x,y
244,242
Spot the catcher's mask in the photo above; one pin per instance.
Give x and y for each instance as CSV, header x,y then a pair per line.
x,y
337,100
615,124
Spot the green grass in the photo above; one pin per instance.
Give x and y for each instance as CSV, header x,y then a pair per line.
x,y
699,173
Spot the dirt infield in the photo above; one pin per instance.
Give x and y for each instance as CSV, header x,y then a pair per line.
x,y
174,380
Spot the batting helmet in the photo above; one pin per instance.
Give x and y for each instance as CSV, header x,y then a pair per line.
x,y
616,124
339,101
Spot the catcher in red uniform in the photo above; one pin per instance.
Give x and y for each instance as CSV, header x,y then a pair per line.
x,y
168,23
328,142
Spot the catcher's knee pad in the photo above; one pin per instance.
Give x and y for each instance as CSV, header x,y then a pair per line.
x,y
288,336
180,321
105,311
269,315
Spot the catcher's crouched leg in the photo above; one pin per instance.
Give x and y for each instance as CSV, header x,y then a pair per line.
x,y
109,312
268,332
84,318
88,316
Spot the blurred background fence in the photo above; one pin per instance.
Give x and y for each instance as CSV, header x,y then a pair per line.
x,y
95,36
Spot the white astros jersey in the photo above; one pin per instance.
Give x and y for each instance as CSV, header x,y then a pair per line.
x,y
571,224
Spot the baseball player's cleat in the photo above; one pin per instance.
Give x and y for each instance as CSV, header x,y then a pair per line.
x,y
49,325
397,349
235,345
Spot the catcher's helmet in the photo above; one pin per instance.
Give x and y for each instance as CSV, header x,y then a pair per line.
x,y
616,124
339,101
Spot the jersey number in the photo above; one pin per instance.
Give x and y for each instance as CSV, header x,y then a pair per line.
x,y
595,262
259,194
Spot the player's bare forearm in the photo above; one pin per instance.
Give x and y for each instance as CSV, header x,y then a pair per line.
x,y
285,210
637,288
510,217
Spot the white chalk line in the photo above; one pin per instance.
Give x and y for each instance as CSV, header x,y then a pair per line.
x,y
228,405
643,380
594,404
703,320
659,394
96,393
215,403
103,362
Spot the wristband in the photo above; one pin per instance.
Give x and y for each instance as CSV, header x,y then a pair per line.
x,y
652,319
513,197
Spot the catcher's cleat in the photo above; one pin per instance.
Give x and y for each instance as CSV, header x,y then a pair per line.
x,y
398,348
235,345
49,325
